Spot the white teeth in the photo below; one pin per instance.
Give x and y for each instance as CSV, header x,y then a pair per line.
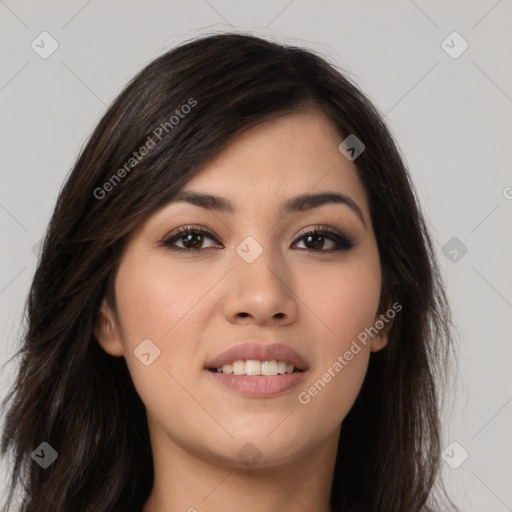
x,y
239,367
269,368
227,368
281,367
254,367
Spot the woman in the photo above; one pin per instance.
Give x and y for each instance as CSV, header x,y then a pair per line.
x,y
237,304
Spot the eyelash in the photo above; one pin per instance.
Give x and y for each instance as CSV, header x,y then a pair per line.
x,y
343,242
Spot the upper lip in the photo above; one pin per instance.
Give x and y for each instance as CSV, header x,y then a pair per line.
x,y
259,352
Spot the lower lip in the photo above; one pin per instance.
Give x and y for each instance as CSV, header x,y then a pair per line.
x,y
259,385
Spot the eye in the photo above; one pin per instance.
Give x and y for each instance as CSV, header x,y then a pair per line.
x,y
192,238
317,236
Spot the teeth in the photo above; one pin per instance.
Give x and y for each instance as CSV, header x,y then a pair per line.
x,y
227,368
254,367
239,367
269,368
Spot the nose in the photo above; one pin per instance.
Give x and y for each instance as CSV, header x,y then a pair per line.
x,y
260,291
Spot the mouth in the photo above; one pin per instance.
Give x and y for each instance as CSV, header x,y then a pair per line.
x,y
258,370
244,378
258,359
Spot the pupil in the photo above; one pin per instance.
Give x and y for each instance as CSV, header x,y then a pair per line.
x,y
190,238
317,245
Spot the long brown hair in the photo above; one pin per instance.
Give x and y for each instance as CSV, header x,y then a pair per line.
x,y
82,402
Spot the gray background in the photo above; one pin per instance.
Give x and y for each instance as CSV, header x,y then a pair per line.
x,y
452,118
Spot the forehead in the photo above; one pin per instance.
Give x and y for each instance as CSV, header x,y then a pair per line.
x,y
281,158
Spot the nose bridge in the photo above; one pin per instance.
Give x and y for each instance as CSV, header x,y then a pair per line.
x,y
258,242
259,283
258,257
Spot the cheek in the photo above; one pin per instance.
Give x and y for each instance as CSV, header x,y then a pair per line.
x,y
165,303
345,305
155,296
344,300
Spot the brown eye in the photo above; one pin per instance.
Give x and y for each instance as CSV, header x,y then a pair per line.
x,y
191,238
315,240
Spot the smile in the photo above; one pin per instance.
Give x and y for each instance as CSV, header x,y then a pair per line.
x,y
254,367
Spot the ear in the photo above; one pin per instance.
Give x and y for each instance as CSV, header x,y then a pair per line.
x,y
107,332
380,340
383,320
383,324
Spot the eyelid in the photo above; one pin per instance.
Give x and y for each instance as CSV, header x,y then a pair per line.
x,y
345,241
185,229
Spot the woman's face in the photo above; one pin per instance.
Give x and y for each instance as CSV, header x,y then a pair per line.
x,y
256,279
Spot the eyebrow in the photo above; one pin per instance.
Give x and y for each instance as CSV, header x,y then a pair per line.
x,y
299,203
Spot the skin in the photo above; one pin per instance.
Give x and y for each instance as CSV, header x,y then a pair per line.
x,y
191,306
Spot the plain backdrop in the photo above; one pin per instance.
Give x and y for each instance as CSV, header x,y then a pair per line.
x,y
451,114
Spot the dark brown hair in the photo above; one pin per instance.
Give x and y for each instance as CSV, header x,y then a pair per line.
x,y
72,395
